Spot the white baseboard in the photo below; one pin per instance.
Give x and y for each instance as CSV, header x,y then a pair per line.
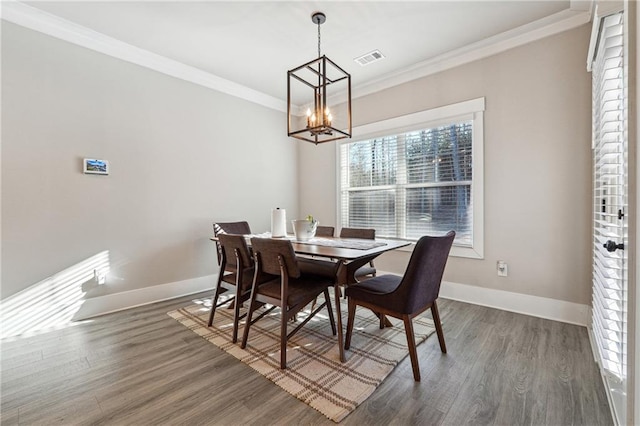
x,y
542,307
130,299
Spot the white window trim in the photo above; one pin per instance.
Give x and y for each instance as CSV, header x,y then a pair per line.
x,y
430,118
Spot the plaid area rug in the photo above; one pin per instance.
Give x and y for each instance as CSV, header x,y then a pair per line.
x,y
314,372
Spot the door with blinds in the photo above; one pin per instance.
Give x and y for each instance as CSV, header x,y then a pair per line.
x,y
610,233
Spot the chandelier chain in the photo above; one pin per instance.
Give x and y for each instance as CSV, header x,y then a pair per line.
x,y
318,38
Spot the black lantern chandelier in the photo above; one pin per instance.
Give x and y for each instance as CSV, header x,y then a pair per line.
x,y
312,84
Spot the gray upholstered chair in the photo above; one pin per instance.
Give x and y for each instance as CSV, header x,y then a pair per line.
x,y
283,285
407,296
363,233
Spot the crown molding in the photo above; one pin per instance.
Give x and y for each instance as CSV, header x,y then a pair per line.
x,y
578,14
35,19
581,5
54,26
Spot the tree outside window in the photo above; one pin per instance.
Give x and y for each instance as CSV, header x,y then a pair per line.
x,y
411,184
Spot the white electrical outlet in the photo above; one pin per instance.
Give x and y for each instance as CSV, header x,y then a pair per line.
x,y
99,277
503,269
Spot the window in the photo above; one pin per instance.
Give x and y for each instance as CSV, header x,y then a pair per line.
x,y
416,175
608,61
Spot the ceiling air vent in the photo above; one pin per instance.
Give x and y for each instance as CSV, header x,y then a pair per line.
x,y
369,58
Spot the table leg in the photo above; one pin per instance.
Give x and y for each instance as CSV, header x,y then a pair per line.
x,y
336,288
384,319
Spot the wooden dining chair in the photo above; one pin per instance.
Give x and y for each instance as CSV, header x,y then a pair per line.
x,y
239,228
407,296
312,265
236,256
226,267
289,289
325,231
366,234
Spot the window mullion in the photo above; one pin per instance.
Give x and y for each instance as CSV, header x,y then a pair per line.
x,y
344,184
401,191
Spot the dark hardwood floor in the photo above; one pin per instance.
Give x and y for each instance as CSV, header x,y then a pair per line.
x,y
140,367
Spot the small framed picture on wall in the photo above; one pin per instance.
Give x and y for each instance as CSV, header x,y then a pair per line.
x,y
94,166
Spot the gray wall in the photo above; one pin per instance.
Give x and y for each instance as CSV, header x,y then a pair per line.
x,y
175,146
537,164
181,157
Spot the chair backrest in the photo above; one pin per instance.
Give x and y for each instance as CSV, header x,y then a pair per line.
x,y
364,233
228,228
267,250
230,243
325,231
420,284
231,228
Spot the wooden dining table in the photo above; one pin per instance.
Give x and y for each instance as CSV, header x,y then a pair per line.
x,y
350,253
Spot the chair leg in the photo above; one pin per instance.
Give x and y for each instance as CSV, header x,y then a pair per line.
x,y
384,321
283,337
350,320
214,301
411,342
236,314
330,311
247,324
438,324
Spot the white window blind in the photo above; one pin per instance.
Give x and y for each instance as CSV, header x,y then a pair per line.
x,y
411,183
609,319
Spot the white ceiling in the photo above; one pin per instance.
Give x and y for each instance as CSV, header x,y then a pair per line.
x,y
254,43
